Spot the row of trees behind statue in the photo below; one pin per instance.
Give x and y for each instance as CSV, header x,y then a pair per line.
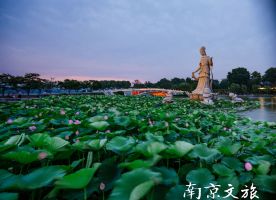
x,y
239,80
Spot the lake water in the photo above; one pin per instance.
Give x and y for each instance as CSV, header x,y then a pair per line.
x,y
266,112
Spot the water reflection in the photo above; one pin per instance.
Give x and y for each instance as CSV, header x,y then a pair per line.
x,y
266,112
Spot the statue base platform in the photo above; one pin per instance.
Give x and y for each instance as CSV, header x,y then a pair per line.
x,y
198,97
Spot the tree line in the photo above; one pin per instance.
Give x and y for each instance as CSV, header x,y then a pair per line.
x,y
33,81
239,81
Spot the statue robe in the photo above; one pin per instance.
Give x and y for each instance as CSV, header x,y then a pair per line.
x,y
203,85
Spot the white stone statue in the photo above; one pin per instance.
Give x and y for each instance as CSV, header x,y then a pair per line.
x,y
204,84
234,98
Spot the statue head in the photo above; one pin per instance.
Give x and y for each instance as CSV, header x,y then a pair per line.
x,y
202,51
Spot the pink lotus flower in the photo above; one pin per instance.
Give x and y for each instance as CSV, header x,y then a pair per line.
x,y
67,137
62,112
77,132
32,128
102,186
42,155
77,122
77,113
77,140
70,121
107,131
248,166
9,121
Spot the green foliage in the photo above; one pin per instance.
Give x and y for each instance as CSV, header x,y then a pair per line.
x,y
266,183
120,144
38,178
135,184
256,78
235,88
176,192
222,170
79,179
239,75
202,177
178,149
270,75
8,196
148,150
100,125
202,152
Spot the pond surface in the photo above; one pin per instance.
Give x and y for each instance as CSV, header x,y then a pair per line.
x,y
266,112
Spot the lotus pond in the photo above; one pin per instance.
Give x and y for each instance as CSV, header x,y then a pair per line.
x,y
120,148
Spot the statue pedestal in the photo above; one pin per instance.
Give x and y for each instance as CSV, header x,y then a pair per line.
x,y
198,97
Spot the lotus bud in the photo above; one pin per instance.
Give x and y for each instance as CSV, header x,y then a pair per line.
x,y
42,155
248,166
32,128
77,122
102,186
9,121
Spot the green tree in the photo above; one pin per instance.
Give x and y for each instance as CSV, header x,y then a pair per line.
x,y
164,83
239,75
192,83
235,88
139,85
70,85
127,84
49,84
255,89
96,85
5,81
256,78
183,86
88,85
148,84
224,84
176,81
216,85
32,81
244,89
16,82
270,75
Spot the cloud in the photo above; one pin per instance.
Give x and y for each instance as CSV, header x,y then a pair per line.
x,y
134,39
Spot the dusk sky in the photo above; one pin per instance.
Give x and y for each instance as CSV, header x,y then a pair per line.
x,y
134,39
